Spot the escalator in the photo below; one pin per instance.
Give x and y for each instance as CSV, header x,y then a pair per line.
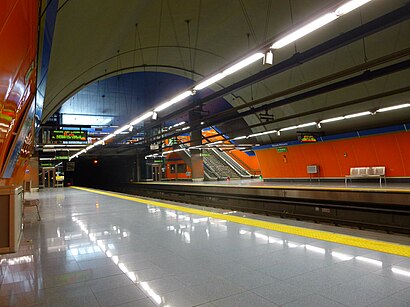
x,y
217,165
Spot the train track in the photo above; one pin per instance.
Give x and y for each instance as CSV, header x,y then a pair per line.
x,y
381,210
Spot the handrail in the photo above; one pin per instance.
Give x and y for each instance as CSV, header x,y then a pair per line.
x,y
239,169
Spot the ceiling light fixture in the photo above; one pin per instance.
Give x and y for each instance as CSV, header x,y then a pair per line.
x,y
397,107
333,119
318,23
122,129
110,136
350,6
358,114
307,125
174,100
239,137
141,118
230,70
305,30
288,128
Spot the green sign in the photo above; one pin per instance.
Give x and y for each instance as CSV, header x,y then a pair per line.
x,y
46,164
205,155
282,149
158,161
62,157
68,135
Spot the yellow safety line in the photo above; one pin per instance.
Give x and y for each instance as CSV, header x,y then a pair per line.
x,y
380,246
382,190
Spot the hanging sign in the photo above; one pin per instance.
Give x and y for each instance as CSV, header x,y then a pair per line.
x,y
308,138
68,135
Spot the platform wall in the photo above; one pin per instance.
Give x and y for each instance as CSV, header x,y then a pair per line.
x,y
18,43
250,163
335,158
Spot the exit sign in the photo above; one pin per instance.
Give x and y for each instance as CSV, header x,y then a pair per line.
x,y
282,149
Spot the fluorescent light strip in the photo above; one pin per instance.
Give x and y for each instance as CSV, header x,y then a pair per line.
x,y
174,100
318,23
234,68
122,129
307,125
358,114
209,81
305,30
141,118
262,133
330,120
288,128
110,136
350,6
246,62
397,107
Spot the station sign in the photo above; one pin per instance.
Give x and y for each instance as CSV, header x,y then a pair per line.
x,y
62,157
282,149
68,135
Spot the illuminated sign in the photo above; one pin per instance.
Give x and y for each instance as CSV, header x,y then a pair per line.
x,y
308,138
282,149
62,157
68,135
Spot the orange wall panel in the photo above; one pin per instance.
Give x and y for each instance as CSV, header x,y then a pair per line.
x,y
335,158
18,43
248,162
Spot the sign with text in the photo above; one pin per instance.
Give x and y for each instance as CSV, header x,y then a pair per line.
x,y
68,135
282,149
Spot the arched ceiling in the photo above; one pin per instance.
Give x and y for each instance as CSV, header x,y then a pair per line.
x,y
95,39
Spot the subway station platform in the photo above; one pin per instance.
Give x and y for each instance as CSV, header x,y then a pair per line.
x,y
364,205
314,184
98,248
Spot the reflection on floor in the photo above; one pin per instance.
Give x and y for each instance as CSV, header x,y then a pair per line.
x,y
95,250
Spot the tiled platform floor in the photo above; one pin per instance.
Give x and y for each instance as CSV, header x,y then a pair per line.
x,y
95,250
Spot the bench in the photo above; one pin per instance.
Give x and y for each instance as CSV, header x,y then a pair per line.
x,y
31,203
367,172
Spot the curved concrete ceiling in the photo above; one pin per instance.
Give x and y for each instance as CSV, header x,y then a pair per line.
x,y
95,39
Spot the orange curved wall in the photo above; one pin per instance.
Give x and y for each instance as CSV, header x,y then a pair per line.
x,y
335,158
18,43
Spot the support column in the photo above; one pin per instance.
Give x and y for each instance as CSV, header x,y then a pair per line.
x,y
197,162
